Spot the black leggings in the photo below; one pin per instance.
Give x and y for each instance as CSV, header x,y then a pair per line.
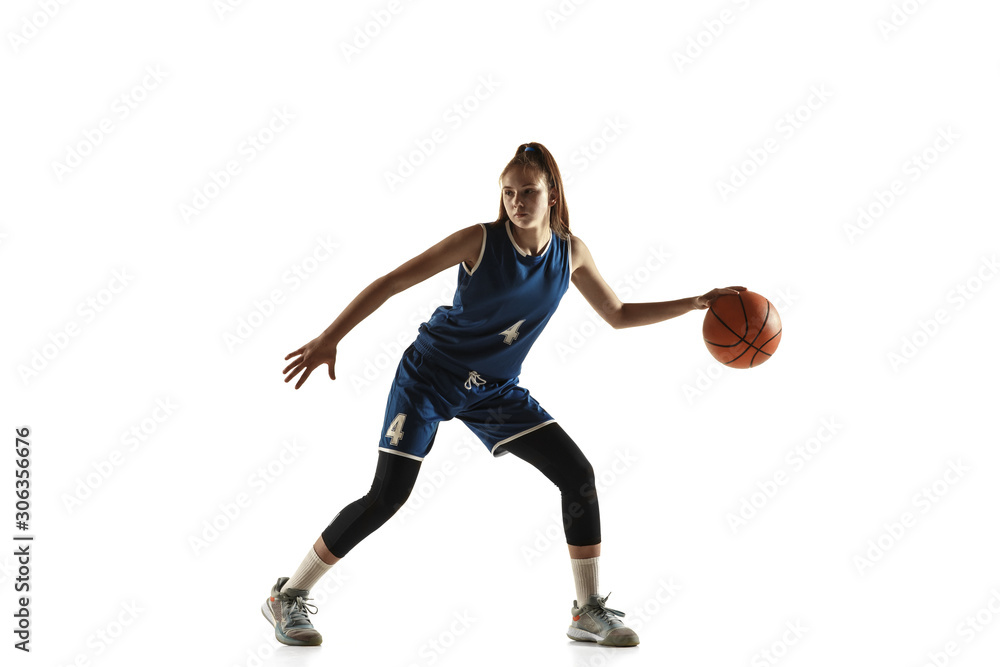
x,y
548,448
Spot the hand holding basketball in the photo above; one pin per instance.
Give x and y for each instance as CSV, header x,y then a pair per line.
x,y
705,300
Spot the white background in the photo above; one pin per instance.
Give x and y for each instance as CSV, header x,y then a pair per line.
x,y
884,370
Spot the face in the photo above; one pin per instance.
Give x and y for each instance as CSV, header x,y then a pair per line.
x,y
526,198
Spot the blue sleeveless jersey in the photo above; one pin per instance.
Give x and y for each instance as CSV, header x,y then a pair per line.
x,y
501,306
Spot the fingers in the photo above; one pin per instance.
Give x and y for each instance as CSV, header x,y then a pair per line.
x,y
303,378
308,362
297,362
721,291
296,368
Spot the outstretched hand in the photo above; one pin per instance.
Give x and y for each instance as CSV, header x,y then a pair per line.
x,y
315,352
705,300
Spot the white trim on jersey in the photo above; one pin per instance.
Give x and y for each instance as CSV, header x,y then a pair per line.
x,y
393,451
518,435
518,248
482,251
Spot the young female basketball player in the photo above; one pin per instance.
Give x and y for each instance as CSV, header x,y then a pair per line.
x,y
465,363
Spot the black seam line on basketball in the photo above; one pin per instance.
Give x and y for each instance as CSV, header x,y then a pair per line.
x,y
746,323
764,344
749,347
746,320
726,363
729,328
757,335
761,348
767,315
723,323
738,355
742,339
745,342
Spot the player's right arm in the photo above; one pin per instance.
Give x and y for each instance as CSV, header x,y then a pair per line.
x,y
463,245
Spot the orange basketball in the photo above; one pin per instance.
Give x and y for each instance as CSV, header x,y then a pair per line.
x,y
742,330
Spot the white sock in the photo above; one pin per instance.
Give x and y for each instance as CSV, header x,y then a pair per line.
x,y
309,572
585,577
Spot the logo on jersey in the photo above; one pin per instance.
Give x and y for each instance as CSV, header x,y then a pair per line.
x,y
510,334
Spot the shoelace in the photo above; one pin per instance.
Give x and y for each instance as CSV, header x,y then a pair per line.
x,y
297,609
603,611
474,379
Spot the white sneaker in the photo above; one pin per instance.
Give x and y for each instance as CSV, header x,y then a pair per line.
x,y
594,622
288,611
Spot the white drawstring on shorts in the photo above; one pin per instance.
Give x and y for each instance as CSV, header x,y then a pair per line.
x,y
474,379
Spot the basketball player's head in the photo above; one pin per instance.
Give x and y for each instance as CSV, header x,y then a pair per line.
x,y
532,164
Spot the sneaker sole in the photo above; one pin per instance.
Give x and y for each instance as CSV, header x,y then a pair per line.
x,y
581,635
265,609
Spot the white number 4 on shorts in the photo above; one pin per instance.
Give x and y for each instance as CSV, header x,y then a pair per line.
x,y
395,431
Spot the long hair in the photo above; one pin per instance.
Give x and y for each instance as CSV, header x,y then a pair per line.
x,y
537,160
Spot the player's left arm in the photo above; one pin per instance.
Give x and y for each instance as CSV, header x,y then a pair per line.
x,y
620,315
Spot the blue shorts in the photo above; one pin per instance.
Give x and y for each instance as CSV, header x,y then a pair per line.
x,y
426,392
